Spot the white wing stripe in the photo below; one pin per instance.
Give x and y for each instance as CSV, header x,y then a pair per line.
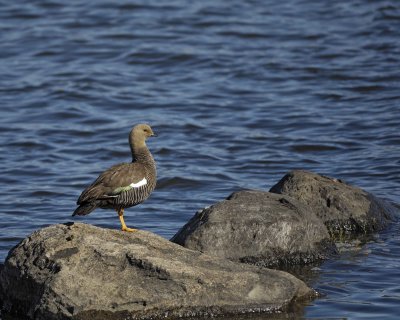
x,y
142,182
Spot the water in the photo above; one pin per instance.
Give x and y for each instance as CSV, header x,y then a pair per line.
x,y
240,92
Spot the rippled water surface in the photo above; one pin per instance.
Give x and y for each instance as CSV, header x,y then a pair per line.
x,y
240,92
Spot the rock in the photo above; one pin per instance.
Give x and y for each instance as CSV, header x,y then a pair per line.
x,y
84,272
1,299
260,228
345,210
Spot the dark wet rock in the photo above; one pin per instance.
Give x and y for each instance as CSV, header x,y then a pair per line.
x,y
346,210
1,299
260,228
84,272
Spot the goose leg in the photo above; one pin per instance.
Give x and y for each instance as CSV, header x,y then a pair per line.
x,y
121,218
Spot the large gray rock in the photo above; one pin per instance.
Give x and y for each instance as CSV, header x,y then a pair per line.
x,y
84,272
260,228
345,210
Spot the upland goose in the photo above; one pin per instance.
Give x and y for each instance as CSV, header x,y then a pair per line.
x,y
126,184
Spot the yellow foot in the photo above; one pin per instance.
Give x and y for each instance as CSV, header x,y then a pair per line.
x,y
128,229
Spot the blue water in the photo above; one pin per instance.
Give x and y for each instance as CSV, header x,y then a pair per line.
x,y
240,92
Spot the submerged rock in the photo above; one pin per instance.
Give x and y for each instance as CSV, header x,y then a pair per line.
x,y
260,228
84,272
345,209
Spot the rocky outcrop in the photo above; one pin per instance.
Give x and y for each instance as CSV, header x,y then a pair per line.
x,y
345,210
260,228
84,272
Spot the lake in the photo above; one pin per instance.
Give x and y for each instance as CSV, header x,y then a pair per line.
x,y
239,93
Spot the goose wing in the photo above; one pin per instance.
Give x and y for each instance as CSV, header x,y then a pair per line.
x,y
113,181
